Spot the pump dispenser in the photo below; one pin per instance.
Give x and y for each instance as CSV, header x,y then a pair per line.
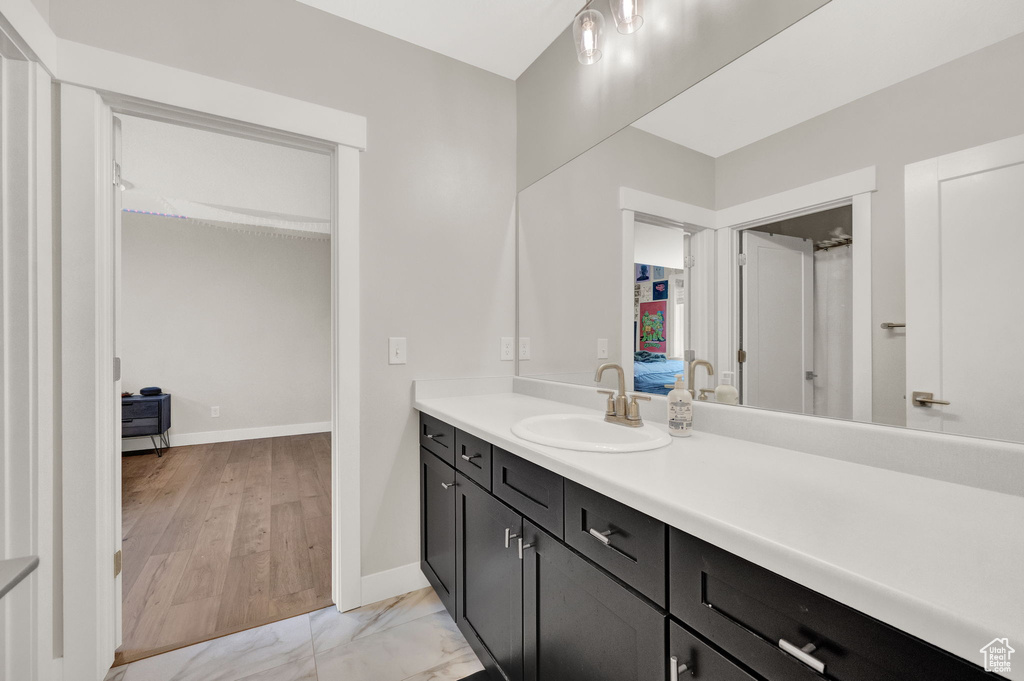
x,y
726,393
680,409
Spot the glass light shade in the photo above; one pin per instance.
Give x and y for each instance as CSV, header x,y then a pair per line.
x,y
628,15
586,33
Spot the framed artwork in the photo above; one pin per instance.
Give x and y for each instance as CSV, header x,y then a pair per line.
x,y
651,329
660,290
643,272
657,272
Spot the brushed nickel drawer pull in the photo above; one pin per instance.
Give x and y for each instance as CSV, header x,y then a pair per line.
x,y
523,547
509,536
602,536
675,669
467,457
804,655
434,436
447,485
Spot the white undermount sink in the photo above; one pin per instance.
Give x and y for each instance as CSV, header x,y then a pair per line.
x,y
587,433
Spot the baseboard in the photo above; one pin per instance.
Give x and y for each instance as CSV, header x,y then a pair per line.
x,y
390,583
211,436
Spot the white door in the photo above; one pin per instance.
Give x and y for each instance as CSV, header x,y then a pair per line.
x,y
965,237
778,322
116,396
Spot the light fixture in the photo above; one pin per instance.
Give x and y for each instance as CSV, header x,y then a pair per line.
x,y
628,15
586,34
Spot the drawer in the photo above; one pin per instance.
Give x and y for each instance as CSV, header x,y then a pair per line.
x,y
764,620
473,457
701,661
131,427
134,409
437,437
625,542
535,492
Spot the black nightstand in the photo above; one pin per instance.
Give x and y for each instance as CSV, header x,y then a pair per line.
x,y
143,415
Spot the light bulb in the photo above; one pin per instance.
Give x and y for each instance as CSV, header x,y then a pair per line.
x,y
586,33
628,15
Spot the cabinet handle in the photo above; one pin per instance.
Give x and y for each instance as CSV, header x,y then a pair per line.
x,y
804,655
523,547
675,669
446,485
509,536
467,457
602,536
434,436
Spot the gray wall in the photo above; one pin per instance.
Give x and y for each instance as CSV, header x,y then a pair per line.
x,y
570,246
226,318
970,101
564,108
437,189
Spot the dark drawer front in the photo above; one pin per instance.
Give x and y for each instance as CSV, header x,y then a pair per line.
x,y
535,492
754,613
437,437
624,541
437,527
139,410
701,661
473,457
148,426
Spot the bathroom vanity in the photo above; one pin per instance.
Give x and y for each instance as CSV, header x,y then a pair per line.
x,y
575,565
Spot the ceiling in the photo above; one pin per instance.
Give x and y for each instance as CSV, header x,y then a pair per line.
x,y
844,51
501,37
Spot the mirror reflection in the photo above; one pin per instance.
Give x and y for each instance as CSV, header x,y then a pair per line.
x,y
826,236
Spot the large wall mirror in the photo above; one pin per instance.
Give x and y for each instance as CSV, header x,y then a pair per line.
x,y
832,222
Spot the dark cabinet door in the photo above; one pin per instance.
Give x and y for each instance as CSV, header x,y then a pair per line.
x,y
490,579
580,624
437,526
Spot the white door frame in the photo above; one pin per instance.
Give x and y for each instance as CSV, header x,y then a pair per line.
x,y
852,189
91,475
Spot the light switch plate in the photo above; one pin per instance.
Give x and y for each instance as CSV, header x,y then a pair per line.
x,y
602,348
396,351
524,348
508,349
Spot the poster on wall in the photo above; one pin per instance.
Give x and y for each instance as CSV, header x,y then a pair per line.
x,y
652,327
660,290
643,272
658,272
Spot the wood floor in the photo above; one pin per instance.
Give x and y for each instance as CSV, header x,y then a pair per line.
x,y
223,537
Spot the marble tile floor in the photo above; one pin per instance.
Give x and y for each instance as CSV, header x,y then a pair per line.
x,y
406,638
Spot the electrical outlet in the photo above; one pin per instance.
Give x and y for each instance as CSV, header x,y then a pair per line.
x,y
524,348
508,346
215,412
602,348
396,351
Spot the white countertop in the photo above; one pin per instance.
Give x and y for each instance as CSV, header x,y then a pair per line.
x,y
941,561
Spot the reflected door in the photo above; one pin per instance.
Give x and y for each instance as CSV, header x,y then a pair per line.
x,y
965,237
778,322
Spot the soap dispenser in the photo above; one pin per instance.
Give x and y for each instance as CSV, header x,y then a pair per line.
x,y
680,409
726,392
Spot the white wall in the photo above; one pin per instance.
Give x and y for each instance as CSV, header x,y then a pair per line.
x,y
223,317
437,197
570,245
967,102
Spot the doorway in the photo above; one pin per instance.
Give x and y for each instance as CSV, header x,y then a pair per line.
x,y
90,407
223,307
796,319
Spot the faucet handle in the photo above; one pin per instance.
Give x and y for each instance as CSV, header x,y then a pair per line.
x,y
633,413
610,408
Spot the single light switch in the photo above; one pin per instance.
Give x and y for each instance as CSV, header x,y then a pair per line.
x,y
602,348
396,351
524,348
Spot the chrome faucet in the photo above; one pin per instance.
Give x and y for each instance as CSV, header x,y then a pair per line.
x,y
691,370
620,409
